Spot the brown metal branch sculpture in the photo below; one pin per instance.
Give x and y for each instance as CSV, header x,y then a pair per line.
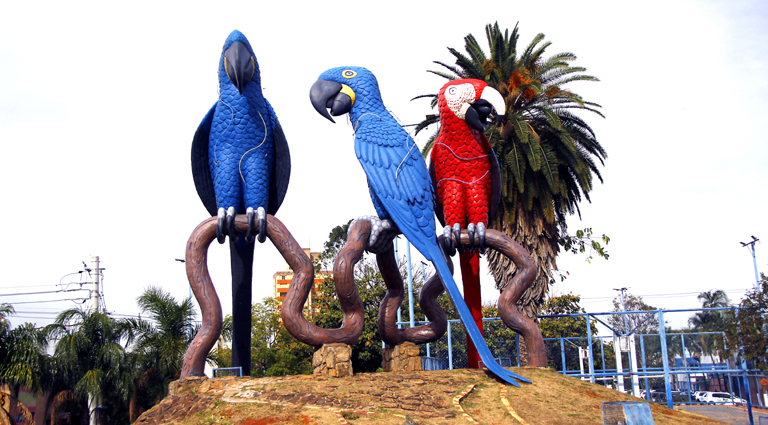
x,y
364,234
387,323
293,319
433,288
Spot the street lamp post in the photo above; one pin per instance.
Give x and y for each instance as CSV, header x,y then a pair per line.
x,y
751,247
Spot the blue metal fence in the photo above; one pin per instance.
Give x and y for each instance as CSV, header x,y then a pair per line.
x,y
654,355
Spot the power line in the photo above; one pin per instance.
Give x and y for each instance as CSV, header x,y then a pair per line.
x,y
27,286
676,294
43,292
50,301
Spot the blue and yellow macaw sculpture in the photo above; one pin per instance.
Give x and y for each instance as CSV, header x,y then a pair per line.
x,y
398,179
241,165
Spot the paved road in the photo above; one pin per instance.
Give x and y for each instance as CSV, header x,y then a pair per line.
x,y
728,414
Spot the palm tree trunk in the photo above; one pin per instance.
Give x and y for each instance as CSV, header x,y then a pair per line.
x,y
531,230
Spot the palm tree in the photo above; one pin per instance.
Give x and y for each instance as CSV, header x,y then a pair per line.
x,y
547,154
158,345
5,311
710,321
714,299
90,364
23,358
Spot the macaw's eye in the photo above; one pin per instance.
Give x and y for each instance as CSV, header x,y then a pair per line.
x,y
348,73
452,90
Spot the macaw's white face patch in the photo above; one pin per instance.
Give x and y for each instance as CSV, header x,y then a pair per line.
x,y
459,97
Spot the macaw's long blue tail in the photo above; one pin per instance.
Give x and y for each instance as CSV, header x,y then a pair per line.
x,y
466,318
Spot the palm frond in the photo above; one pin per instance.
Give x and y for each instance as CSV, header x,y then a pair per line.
x,y
430,143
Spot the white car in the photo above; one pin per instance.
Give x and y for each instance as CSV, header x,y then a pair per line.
x,y
698,395
722,398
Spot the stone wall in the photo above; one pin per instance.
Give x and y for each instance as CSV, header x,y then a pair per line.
x,y
402,358
333,361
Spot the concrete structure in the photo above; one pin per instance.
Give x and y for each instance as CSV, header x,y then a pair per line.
x,y
281,281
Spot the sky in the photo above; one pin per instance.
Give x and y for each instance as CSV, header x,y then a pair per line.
x,y
99,103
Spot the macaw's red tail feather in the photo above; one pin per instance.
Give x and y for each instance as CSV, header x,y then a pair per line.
x,y
470,275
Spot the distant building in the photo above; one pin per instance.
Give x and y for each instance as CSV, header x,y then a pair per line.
x,y
281,281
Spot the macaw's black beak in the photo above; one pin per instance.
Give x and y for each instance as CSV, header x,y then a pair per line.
x,y
478,112
239,65
477,115
325,95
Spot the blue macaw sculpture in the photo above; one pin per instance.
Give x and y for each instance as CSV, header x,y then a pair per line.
x,y
241,165
398,179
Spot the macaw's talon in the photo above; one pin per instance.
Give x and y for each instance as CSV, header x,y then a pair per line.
x,y
221,224
457,234
448,241
229,229
251,217
262,217
481,237
471,233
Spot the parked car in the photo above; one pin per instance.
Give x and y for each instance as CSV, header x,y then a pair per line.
x,y
698,395
660,397
722,398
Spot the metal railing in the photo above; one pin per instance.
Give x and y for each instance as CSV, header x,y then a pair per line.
x,y
654,354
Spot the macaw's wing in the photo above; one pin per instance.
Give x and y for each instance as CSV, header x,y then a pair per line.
x,y
495,196
281,170
398,175
438,205
201,169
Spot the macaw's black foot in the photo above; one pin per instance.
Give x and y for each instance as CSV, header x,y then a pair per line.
x,y
452,243
233,237
478,243
452,238
448,246
481,238
457,235
226,225
257,224
471,233
262,218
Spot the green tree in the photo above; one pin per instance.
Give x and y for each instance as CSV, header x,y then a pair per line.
x,y
708,321
23,358
274,352
90,361
573,328
366,353
547,154
745,328
641,323
158,345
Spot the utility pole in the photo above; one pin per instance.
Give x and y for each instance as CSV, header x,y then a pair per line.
x,y
397,261
410,283
623,308
751,247
631,348
95,271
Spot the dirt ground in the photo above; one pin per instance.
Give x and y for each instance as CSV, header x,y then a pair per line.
x,y
437,397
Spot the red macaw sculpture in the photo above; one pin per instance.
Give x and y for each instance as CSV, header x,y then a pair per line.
x,y
465,175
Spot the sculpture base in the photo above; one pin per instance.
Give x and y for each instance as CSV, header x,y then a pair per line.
x,y
401,358
333,361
